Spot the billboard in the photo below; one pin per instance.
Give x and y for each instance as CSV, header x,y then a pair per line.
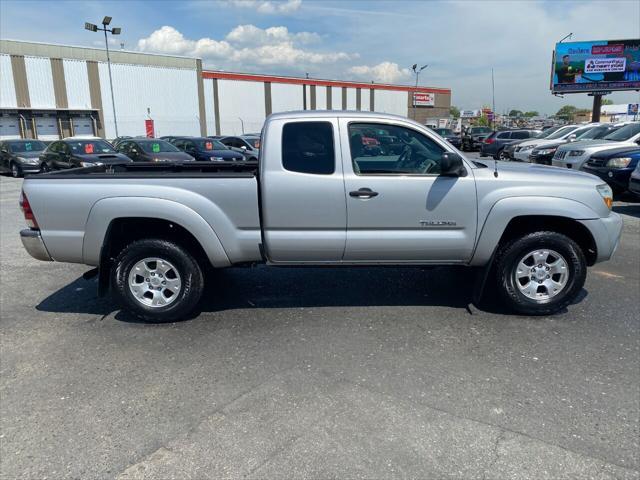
x,y
469,113
421,99
605,65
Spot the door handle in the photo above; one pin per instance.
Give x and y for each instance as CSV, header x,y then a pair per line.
x,y
363,193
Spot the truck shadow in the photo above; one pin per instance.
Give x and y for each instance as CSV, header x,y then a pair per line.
x,y
291,288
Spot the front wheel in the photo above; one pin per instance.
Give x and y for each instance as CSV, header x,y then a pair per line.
x,y
540,273
16,171
157,280
502,155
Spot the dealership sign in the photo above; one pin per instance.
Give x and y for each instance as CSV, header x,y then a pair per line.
x,y
609,65
470,113
421,99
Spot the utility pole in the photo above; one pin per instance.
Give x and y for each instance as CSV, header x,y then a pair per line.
x,y
416,71
493,100
114,31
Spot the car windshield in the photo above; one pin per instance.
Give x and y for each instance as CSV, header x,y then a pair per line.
x,y
26,146
561,132
253,141
595,132
90,147
547,132
624,133
157,146
210,144
480,130
443,131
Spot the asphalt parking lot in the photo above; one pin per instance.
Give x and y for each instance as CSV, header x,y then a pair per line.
x,y
376,372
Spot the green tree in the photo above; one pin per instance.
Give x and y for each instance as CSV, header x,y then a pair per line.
x,y
530,114
515,113
482,122
567,112
607,101
454,111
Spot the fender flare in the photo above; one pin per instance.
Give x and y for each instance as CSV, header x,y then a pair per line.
x,y
505,210
106,210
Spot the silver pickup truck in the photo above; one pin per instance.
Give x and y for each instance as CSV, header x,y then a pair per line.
x,y
330,188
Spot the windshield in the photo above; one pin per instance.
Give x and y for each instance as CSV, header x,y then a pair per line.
x,y
25,147
210,144
90,147
480,130
157,146
561,132
624,133
547,132
443,131
596,132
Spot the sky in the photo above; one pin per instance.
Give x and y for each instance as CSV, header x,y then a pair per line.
x,y
365,40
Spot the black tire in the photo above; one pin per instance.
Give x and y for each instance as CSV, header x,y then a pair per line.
x,y
45,168
185,264
502,155
509,256
16,171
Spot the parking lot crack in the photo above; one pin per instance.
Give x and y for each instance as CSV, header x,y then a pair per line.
x,y
495,453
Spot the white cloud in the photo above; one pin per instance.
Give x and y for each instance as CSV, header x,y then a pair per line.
x,y
245,47
252,35
385,72
269,6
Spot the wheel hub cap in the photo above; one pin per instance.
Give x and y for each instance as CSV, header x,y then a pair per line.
x,y
541,274
155,282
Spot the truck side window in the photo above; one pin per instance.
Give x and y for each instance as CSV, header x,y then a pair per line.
x,y
307,147
381,149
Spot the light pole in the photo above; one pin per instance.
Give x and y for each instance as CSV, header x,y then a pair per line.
x,y
417,71
114,31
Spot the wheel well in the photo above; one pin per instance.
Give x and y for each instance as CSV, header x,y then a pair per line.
x,y
573,229
123,231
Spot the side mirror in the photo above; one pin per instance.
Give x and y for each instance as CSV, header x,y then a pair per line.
x,y
134,150
4,150
451,165
243,148
572,137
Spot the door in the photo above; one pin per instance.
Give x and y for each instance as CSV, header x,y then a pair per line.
x,y
399,208
82,126
9,126
47,128
63,156
303,202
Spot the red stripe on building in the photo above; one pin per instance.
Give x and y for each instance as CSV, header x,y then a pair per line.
x,y
249,77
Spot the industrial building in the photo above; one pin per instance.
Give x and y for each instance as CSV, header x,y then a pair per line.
x,y
53,91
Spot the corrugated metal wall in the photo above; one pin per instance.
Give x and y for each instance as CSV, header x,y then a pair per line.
x,y
241,102
40,82
170,93
336,98
285,97
391,101
321,98
351,98
7,87
209,106
77,84
365,99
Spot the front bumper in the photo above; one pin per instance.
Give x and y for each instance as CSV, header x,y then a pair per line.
x,y
541,159
616,177
634,184
606,234
570,162
33,244
522,155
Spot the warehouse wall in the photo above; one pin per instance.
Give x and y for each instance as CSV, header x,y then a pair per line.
x,y
285,97
391,101
241,100
77,83
170,93
40,82
209,106
7,87
365,99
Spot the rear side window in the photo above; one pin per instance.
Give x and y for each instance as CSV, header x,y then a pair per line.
x,y
307,147
519,134
504,135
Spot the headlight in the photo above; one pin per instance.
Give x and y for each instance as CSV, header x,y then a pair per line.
x,y
606,193
545,151
90,164
619,162
528,147
29,160
576,153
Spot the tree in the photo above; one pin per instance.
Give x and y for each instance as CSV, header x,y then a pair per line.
x,y
567,112
515,113
606,101
533,113
482,122
454,111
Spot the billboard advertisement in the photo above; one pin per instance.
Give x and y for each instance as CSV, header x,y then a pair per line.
x,y
421,99
606,65
469,113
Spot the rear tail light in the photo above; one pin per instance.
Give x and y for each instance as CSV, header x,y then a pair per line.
x,y
27,212
489,140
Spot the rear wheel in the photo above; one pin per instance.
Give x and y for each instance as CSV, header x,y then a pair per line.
x,y
45,168
157,280
502,155
16,171
540,273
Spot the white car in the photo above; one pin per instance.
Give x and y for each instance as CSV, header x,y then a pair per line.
x,y
634,181
523,150
575,155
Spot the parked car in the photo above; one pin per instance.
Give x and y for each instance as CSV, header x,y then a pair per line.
x,y
117,140
206,149
494,145
522,151
614,166
472,138
152,150
318,201
80,152
634,181
20,156
449,136
247,145
543,154
575,155
510,148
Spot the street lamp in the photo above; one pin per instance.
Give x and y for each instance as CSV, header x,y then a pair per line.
x,y
106,21
416,71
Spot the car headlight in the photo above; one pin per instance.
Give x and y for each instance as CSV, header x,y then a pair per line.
x,y
619,162
576,153
90,164
31,160
606,193
545,151
527,147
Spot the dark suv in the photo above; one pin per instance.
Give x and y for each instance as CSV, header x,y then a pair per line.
x,y
473,137
206,149
494,145
80,152
247,145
